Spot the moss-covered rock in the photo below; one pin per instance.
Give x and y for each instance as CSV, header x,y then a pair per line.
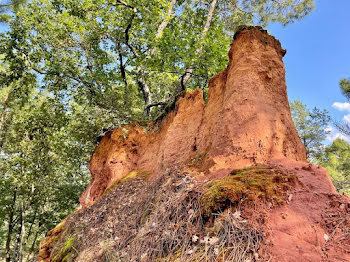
x,y
258,183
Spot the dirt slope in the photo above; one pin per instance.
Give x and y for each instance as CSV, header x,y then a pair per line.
x,y
226,181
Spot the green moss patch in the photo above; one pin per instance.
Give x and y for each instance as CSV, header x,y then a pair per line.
x,y
65,252
55,234
131,175
258,183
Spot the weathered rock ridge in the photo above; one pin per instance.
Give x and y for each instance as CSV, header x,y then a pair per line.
x,y
247,120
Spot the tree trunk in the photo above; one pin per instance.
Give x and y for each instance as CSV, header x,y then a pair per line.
x,y
18,239
31,250
3,121
146,93
147,96
140,73
31,224
189,71
10,227
22,241
209,19
165,22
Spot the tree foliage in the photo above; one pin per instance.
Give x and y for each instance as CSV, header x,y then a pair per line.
x,y
337,162
312,130
311,126
6,7
85,49
40,164
345,88
71,69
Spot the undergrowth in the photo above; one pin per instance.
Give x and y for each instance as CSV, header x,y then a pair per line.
x,y
176,218
174,228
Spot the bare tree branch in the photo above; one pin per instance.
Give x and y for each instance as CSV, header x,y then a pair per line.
x,y
121,65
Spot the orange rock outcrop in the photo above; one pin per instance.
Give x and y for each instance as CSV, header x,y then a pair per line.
x,y
247,120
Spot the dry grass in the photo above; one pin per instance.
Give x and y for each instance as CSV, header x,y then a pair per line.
x,y
176,230
161,220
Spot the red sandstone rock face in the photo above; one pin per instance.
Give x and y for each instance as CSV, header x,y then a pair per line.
x,y
251,110
297,230
247,120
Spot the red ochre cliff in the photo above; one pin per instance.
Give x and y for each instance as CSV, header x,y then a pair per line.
x,y
240,161
247,120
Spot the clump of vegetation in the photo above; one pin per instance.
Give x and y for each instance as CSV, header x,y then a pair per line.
x,y
246,185
229,239
66,251
173,230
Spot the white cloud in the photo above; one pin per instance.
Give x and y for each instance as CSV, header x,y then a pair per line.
x,y
347,119
335,134
342,106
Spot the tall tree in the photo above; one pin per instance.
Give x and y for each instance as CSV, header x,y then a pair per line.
x,y
40,164
311,127
157,43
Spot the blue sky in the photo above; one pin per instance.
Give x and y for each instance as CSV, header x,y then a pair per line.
x,y
318,56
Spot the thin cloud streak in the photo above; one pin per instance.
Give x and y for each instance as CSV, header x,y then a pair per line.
x,y
342,106
334,134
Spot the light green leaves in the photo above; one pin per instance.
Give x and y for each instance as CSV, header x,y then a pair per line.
x,y
336,160
311,126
